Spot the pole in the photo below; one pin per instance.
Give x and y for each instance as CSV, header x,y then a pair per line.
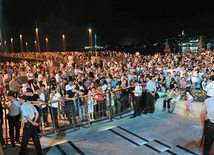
x,y
47,47
36,50
63,43
37,39
26,46
90,39
21,43
12,48
5,44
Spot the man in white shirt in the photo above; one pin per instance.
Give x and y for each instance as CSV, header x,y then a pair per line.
x,y
42,101
55,98
210,87
58,78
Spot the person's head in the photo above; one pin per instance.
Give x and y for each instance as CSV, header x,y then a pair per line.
x,y
70,82
42,87
148,77
212,77
93,89
53,90
172,80
117,85
10,96
168,90
37,90
22,99
29,92
176,89
109,84
81,92
89,91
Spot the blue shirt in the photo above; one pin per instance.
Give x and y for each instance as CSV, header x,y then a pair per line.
x,y
151,86
113,84
29,110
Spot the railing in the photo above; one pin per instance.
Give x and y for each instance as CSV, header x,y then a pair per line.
x,y
84,115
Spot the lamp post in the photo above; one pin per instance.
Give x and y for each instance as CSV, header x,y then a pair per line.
x,y
47,47
5,45
12,48
26,45
36,46
90,39
37,39
63,43
21,43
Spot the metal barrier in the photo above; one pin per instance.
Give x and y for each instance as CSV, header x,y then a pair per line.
x,y
76,115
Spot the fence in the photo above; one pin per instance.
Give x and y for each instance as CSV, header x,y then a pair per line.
x,y
73,114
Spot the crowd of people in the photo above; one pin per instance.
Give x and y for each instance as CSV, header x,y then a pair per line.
x,y
99,89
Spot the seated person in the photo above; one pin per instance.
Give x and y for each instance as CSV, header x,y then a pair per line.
x,y
176,97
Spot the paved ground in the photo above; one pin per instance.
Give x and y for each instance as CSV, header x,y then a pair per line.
x,y
158,133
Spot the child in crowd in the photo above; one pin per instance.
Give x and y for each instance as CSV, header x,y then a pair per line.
x,y
90,105
189,100
176,97
167,100
204,83
63,103
113,103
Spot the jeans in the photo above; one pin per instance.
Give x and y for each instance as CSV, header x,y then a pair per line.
x,y
81,113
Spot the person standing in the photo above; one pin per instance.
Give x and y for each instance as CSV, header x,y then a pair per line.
x,y
137,93
208,124
30,116
150,95
55,97
45,111
14,86
13,116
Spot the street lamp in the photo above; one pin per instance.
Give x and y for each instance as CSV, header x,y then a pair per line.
x,y
90,39
36,46
63,43
21,43
5,45
26,46
12,48
47,47
37,39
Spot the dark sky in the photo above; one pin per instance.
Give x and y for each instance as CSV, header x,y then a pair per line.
x,y
116,22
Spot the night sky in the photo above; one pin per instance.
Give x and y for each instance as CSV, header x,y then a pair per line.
x,y
115,22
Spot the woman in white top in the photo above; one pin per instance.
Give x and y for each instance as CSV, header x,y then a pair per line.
x,y
55,97
194,78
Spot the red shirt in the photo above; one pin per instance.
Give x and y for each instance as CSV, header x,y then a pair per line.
x,y
100,96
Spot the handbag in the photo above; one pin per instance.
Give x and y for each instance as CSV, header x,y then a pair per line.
x,y
156,96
